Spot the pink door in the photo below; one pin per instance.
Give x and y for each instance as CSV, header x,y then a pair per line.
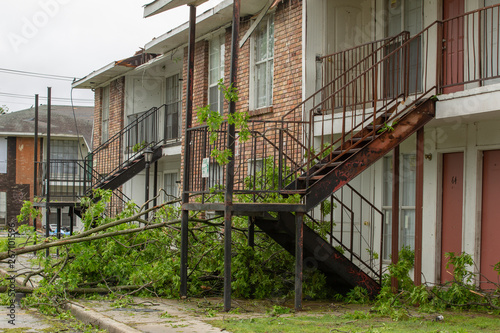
x,y
490,219
452,203
453,46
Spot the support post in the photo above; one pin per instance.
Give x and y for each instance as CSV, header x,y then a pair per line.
x,y
146,190
71,219
35,159
58,227
251,232
419,198
155,184
231,138
47,174
228,219
395,213
299,258
187,149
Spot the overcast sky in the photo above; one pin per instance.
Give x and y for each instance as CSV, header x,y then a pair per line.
x,y
70,38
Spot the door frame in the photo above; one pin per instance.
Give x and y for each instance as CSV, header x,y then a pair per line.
x,y
439,207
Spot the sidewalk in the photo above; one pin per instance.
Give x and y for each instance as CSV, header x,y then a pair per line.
x,y
146,315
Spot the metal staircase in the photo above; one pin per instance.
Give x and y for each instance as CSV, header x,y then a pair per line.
x,y
370,104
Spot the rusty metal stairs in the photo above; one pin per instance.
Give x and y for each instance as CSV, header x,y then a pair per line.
x,y
354,156
127,171
341,273
327,176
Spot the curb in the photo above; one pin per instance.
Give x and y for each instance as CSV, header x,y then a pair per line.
x,y
89,316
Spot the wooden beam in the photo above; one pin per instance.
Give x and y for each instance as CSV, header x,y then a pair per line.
x,y
256,23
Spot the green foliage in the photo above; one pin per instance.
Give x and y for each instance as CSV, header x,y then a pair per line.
x,y
387,127
357,295
28,212
214,120
278,310
458,294
4,109
461,264
139,146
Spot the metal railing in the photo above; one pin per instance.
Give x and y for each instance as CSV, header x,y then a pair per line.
x,y
257,163
354,226
153,128
471,48
70,180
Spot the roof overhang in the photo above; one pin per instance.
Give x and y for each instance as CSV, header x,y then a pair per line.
x,y
159,6
112,71
210,20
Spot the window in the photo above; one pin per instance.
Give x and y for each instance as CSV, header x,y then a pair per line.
x,y
3,208
3,155
173,105
406,203
171,186
105,114
263,63
216,73
405,15
215,175
63,154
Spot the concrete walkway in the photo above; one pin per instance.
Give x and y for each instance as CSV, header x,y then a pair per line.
x,y
144,315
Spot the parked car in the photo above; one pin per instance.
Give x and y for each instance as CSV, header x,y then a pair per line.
x,y
53,230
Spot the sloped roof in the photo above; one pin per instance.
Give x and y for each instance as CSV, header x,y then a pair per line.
x,y
22,123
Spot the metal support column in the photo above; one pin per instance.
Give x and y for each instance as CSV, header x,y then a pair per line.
x,y
395,213
71,219
35,160
47,172
251,232
155,184
299,258
419,197
231,138
187,149
146,189
58,227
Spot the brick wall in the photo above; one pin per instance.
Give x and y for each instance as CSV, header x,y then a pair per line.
x,y
18,181
108,158
287,82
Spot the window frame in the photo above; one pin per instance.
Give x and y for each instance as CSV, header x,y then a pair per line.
x,y
403,209
254,104
105,114
213,83
4,155
3,207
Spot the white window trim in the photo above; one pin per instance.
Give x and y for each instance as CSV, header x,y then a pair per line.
x,y
252,102
3,155
221,66
170,172
105,121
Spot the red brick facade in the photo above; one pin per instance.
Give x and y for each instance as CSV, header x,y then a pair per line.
x,y
18,181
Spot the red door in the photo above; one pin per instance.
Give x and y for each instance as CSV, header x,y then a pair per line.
x,y
490,219
452,203
453,46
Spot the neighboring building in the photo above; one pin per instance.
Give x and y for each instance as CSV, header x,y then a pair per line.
x,y
359,78
70,141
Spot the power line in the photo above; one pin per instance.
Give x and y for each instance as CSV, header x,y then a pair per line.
x,y
63,99
38,75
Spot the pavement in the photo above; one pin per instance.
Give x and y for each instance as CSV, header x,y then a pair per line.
x,y
143,315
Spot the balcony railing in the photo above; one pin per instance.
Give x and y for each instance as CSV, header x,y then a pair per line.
x,y
354,226
153,128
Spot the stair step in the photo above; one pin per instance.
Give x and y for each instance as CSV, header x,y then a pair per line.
x,y
311,178
291,192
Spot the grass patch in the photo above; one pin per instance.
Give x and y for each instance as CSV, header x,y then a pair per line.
x,y
361,321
